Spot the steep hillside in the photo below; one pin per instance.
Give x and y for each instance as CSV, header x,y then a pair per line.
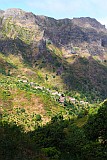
x,y
57,46
31,97
73,51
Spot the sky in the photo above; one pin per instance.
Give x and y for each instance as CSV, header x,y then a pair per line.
x,y
60,9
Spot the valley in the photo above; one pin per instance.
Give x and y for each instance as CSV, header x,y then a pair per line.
x,y
53,87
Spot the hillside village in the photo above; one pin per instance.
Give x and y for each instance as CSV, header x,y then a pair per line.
x,y
60,97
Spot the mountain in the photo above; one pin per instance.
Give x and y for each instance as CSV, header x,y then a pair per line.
x,y
53,79
73,49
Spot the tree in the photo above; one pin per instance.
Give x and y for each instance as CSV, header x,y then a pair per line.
x,y
96,127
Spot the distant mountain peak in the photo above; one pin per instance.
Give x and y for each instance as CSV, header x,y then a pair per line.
x,y
87,22
14,12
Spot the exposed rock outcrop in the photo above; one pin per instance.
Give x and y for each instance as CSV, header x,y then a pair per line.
x,y
27,34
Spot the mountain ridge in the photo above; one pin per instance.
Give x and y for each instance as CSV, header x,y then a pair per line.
x,y
70,33
58,47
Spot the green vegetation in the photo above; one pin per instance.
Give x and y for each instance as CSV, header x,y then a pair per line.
x,y
34,125
12,30
50,107
57,140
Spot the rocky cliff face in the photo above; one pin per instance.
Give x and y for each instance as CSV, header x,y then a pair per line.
x,y
27,34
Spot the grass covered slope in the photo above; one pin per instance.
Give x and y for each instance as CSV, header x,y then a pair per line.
x,y
23,101
32,96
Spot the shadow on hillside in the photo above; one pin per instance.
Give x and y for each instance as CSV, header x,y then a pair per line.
x,y
86,76
17,47
50,142
5,67
15,144
57,140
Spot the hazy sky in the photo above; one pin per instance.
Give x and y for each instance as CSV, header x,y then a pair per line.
x,y
61,8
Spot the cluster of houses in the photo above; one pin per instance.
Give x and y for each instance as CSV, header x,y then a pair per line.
x,y
57,95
